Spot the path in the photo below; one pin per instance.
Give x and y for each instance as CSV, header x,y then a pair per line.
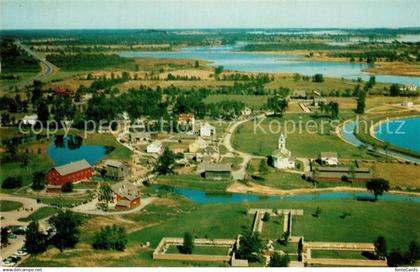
x,y
29,206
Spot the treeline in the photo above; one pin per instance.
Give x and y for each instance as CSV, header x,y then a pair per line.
x,y
179,77
105,83
15,59
410,55
82,62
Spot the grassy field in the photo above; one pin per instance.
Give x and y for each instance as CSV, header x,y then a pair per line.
x,y
202,250
193,182
7,206
273,228
39,214
337,254
234,161
302,143
173,217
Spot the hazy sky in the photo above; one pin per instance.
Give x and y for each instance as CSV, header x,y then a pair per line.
x,y
65,14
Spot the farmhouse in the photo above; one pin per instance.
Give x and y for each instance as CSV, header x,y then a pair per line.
x,y
126,195
282,158
327,173
155,147
207,130
214,170
116,170
71,172
329,158
30,119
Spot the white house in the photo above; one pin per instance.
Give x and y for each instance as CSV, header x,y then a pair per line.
x,y
246,111
409,87
30,119
155,147
329,158
407,104
207,130
282,158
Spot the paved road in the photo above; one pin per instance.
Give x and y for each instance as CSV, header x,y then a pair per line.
x,y
47,68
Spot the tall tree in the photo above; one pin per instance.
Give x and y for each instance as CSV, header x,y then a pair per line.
x,y
105,194
361,102
277,105
35,240
380,247
165,163
67,225
38,181
188,244
250,247
377,186
278,260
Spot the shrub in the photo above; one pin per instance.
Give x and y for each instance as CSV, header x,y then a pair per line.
x,y
67,187
12,183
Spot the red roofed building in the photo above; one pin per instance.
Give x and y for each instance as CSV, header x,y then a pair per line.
x,y
186,119
71,172
60,91
126,195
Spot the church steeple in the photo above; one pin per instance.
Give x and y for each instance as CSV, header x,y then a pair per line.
x,y
282,142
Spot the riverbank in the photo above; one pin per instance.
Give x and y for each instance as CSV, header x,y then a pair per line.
x,y
262,190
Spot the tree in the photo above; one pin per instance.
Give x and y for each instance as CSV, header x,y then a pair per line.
x,y
318,78
165,163
380,247
377,186
12,183
43,111
217,71
38,181
67,187
394,90
395,258
266,217
35,240
188,244
250,247
413,252
318,212
111,238
361,102
278,260
196,64
4,236
277,105
105,194
263,168
333,108
5,118
67,225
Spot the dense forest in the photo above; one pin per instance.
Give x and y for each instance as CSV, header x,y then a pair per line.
x,y
85,62
15,59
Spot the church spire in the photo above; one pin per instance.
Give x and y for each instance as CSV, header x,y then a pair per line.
x,y
282,142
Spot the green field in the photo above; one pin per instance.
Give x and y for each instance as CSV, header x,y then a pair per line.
x,y
273,228
337,254
7,206
39,214
193,182
257,138
252,101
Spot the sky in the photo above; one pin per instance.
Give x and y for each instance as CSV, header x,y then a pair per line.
x,y
167,14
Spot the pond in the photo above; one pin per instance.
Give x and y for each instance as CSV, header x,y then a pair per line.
x,y
201,197
404,132
347,132
231,58
70,149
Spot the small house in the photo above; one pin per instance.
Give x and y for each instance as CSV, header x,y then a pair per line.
x,y
135,137
155,147
329,158
126,195
30,119
215,171
116,170
185,119
246,111
207,130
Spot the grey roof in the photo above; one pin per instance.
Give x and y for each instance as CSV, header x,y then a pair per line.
x,y
344,169
126,189
329,154
72,167
114,163
213,167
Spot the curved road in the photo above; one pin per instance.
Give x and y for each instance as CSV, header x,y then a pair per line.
x,y
47,68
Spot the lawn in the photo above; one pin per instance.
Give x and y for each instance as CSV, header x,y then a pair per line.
x,y
273,228
7,206
234,161
202,250
120,152
39,214
393,219
257,138
193,182
337,254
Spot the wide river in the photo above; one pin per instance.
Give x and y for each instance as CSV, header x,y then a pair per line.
x,y
231,58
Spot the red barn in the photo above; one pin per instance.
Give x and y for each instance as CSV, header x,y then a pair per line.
x,y
126,195
72,172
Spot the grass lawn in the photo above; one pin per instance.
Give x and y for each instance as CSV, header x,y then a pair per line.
x,y
302,142
337,254
7,206
273,228
193,182
393,219
252,101
235,162
39,214
120,152
202,250
66,199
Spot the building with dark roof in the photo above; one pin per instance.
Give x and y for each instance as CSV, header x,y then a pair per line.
x,y
71,172
126,195
357,174
214,170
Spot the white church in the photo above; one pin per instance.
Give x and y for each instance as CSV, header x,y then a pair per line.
x,y
282,158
